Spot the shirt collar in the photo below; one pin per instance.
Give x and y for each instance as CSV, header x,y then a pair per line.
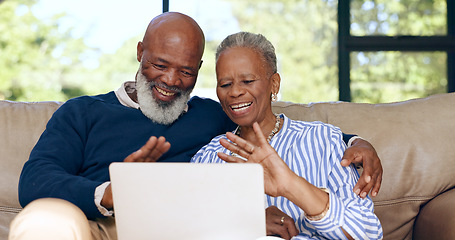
x,y
122,94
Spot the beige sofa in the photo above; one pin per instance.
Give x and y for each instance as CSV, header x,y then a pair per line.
x,y
415,140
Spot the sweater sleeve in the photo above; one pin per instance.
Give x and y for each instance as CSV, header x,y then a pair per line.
x,y
347,137
55,163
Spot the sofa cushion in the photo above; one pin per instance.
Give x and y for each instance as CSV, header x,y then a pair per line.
x,y
415,142
437,218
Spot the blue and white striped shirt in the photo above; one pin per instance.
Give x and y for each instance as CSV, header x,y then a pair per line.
x,y
313,150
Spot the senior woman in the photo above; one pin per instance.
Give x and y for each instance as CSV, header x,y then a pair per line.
x,y
303,178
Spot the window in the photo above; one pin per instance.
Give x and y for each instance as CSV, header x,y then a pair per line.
x,y
395,50
386,76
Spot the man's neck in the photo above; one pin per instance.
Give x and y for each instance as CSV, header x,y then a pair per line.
x,y
133,96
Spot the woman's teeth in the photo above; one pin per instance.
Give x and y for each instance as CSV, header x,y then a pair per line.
x,y
240,107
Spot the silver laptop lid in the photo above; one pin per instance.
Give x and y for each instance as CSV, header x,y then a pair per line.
x,y
188,201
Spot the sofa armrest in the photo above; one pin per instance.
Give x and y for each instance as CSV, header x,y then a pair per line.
x,y
436,219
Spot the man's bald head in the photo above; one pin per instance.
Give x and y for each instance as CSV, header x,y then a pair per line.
x,y
173,27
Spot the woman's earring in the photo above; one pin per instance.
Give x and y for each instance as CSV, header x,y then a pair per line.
x,y
274,97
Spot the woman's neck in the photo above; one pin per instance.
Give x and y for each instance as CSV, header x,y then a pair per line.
x,y
270,126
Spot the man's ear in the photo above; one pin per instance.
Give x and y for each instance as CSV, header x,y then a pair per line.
x,y
200,64
139,51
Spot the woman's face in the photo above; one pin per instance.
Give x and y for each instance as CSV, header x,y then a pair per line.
x,y
244,86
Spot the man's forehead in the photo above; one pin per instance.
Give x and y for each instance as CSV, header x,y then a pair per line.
x,y
186,61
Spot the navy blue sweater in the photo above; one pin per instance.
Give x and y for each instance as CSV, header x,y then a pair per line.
x,y
86,134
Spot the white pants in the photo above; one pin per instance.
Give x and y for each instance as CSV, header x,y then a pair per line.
x,y
51,218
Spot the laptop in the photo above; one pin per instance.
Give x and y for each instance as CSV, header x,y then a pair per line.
x,y
188,201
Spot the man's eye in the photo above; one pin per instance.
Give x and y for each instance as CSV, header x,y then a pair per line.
x,y
158,66
224,85
187,74
248,81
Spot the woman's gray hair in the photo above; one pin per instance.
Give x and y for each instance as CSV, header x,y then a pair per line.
x,y
253,41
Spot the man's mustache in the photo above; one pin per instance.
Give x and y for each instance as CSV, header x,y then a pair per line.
x,y
166,87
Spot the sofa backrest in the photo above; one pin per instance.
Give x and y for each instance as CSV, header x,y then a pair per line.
x,y
414,139
415,142
21,124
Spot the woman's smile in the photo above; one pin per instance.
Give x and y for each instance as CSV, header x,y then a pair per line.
x,y
240,107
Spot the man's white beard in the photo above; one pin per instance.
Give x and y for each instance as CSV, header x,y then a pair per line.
x,y
159,111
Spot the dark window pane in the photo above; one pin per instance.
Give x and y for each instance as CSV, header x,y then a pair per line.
x,y
396,76
405,17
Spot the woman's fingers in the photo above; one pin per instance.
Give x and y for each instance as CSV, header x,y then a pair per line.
x,y
230,159
260,136
238,145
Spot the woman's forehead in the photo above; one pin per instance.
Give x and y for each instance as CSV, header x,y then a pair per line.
x,y
241,58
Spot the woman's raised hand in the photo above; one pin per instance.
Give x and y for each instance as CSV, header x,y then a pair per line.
x,y
276,173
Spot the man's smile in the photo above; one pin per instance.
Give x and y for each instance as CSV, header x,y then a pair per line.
x,y
164,92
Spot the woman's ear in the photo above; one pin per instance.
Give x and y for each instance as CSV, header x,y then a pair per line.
x,y
276,80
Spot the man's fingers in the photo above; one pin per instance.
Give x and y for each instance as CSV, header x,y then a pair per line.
x,y
134,157
345,162
290,227
149,146
367,184
279,224
361,152
351,157
366,190
156,149
348,157
287,230
278,230
283,232
366,181
152,150
377,185
364,185
156,153
142,154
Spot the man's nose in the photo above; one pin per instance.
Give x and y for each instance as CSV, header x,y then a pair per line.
x,y
171,78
